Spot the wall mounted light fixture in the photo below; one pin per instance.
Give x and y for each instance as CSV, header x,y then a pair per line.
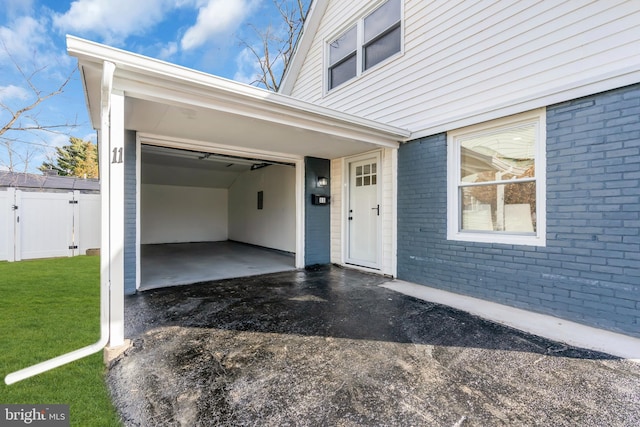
x,y
322,181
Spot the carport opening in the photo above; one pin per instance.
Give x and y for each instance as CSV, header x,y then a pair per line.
x,y
207,216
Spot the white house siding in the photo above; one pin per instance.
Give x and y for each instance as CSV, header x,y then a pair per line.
x,y
470,61
338,17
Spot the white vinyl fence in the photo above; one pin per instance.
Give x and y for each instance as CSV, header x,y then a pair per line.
x,y
46,224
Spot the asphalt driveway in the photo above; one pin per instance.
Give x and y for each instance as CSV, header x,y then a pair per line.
x,y
329,347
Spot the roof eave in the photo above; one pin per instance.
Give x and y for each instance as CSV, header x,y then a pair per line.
x,y
210,90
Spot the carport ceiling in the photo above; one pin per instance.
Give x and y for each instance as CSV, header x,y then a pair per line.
x,y
173,102
234,129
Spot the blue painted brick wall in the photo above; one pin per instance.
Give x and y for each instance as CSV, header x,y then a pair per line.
x,y
317,218
589,271
130,213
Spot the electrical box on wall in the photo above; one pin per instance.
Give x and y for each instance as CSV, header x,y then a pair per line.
x,y
319,199
260,200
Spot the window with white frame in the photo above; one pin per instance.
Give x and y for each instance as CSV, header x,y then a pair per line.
x,y
373,39
496,181
343,58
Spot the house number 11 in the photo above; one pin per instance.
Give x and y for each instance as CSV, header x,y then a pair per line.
x,y
117,155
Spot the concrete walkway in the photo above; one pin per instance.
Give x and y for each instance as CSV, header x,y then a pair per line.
x,y
330,347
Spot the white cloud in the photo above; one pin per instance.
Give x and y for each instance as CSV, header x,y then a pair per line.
x,y
17,7
168,51
27,42
248,69
215,18
57,140
91,136
11,92
113,20
23,37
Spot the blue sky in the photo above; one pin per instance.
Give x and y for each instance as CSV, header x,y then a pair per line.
x,y
202,34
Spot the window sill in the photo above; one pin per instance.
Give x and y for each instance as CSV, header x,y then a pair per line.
x,y
499,238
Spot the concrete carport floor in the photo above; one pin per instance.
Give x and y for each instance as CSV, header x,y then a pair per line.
x,y
330,347
172,264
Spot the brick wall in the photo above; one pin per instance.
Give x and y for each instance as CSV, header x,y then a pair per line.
x,y
589,271
317,218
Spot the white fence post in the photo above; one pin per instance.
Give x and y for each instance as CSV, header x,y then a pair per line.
x,y
75,224
7,228
17,228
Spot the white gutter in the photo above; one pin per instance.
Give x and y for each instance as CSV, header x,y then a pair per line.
x,y
107,84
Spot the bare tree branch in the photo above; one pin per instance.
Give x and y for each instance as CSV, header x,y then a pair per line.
x,y
25,118
277,45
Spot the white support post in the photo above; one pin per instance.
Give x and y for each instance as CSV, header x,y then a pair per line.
x,y
116,219
300,206
105,198
138,193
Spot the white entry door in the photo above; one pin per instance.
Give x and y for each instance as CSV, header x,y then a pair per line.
x,y
363,213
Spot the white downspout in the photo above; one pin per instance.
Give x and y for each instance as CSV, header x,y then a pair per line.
x,y
108,70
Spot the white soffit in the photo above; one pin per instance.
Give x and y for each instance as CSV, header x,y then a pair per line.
x,y
177,102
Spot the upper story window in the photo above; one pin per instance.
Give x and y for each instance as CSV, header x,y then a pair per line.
x,y
381,34
373,39
343,58
496,181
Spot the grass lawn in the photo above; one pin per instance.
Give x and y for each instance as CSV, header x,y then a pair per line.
x,y
47,308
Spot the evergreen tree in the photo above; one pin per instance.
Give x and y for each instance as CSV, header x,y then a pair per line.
x,y
78,158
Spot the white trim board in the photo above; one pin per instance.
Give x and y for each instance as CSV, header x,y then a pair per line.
x,y
543,325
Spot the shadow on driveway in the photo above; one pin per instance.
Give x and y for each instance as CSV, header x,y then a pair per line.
x,y
330,347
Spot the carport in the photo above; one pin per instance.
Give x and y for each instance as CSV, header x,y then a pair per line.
x,y
207,216
160,123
